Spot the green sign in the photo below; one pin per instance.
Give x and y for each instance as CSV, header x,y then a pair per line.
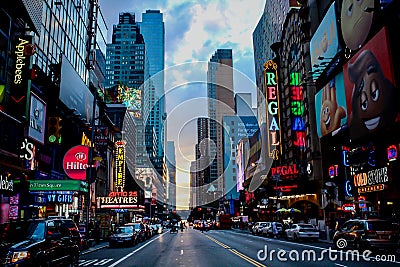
x,y
58,185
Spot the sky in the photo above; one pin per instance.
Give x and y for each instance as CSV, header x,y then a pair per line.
x,y
194,30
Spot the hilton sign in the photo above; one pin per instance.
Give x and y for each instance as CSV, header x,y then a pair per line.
x,y
273,118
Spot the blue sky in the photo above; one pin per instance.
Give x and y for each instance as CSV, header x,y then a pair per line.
x,y
194,30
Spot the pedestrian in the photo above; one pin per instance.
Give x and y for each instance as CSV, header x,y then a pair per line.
x,y
274,230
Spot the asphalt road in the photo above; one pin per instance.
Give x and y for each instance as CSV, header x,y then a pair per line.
x,y
230,248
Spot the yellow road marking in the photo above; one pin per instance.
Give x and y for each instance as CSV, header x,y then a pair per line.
x,y
237,253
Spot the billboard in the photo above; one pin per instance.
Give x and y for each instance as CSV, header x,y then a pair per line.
x,y
37,116
330,106
324,45
74,93
371,93
76,161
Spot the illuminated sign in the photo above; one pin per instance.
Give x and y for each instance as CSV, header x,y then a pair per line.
x,y
59,198
362,204
297,109
373,177
120,164
285,188
23,51
333,171
37,116
58,185
76,162
348,189
348,207
273,118
119,200
392,153
372,188
285,172
5,184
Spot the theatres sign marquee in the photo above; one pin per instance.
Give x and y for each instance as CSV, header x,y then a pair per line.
x,y
273,118
119,200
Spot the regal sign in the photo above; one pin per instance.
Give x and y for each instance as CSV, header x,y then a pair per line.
x,y
119,200
273,118
285,172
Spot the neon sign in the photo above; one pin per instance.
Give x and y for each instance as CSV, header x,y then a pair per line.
x,y
273,118
348,189
392,153
120,164
297,109
289,171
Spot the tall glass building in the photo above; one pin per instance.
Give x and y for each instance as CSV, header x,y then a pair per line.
x,y
153,31
220,103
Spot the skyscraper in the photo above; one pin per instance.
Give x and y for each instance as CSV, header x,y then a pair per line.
x,y
220,103
125,55
152,28
171,166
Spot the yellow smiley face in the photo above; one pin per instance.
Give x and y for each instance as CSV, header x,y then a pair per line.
x,y
356,22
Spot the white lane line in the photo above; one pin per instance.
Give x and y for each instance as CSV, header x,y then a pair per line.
x,y
340,265
304,245
181,251
181,240
136,250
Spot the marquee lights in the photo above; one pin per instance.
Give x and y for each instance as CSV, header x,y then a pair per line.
x,y
297,109
273,117
120,165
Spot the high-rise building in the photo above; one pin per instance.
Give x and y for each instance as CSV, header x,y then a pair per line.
x,y
267,32
220,103
125,55
153,31
202,162
171,167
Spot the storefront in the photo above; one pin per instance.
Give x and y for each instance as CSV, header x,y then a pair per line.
x,y
57,198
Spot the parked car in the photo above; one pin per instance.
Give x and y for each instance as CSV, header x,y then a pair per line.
x,y
140,230
267,229
43,242
368,234
257,228
123,235
302,231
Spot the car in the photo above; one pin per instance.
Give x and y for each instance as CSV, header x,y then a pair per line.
x,y
267,229
140,230
367,234
38,242
75,233
256,229
123,235
302,231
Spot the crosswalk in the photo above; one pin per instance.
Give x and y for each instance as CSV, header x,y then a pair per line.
x,y
94,262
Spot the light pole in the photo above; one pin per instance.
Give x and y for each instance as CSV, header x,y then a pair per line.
x,y
90,171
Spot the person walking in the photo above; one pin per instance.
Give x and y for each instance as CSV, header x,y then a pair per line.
x,y
274,230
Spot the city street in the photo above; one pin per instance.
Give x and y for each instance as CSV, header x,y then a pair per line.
x,y
226,248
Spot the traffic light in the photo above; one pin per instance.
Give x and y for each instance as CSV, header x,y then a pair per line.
x,y
54,130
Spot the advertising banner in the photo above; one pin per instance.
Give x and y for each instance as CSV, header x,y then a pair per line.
x,y
324,44
76,162
37,116
370,88
330,106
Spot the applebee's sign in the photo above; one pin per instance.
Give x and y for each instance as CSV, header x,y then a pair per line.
x,y
76,162
5,184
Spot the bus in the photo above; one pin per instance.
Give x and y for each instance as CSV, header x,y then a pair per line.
x,y
225,221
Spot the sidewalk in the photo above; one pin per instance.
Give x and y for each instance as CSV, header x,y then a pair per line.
x,y
246,231
101,245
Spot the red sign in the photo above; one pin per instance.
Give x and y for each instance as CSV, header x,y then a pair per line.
x,y
76,161
285,171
